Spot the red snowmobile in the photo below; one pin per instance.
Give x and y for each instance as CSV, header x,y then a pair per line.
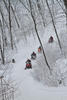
x,y
33,56
39,49
28,64
51,40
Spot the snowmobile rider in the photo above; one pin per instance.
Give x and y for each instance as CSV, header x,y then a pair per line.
x,y
28,64
39,49
51,39
28,61
33,55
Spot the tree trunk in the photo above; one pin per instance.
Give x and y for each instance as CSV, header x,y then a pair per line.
x,y
12,11
40,11
1,78
2,56
65,3
2,44
3,17
11,37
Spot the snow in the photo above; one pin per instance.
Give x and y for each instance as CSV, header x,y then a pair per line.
x,y
28,87
37,83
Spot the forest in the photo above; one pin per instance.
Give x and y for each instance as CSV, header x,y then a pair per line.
x,y
33,49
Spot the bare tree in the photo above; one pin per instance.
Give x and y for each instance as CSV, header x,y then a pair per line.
x,y
12,11
24,5
3,18
65,3
1,78
2,46
6,90
61,7
10,27
40,11
15,16
54,25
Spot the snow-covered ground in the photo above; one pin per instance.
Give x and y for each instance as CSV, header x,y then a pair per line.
x,y
29,88
38,83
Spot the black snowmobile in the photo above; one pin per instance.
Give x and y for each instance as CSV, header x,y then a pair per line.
x,y
28,64
51,39
33,56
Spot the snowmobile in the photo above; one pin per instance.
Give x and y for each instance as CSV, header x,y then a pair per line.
x,y
28,64
13,60
60,81
33,56
39,49
51,40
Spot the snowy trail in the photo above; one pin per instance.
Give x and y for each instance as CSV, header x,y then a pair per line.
x,y
29,88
